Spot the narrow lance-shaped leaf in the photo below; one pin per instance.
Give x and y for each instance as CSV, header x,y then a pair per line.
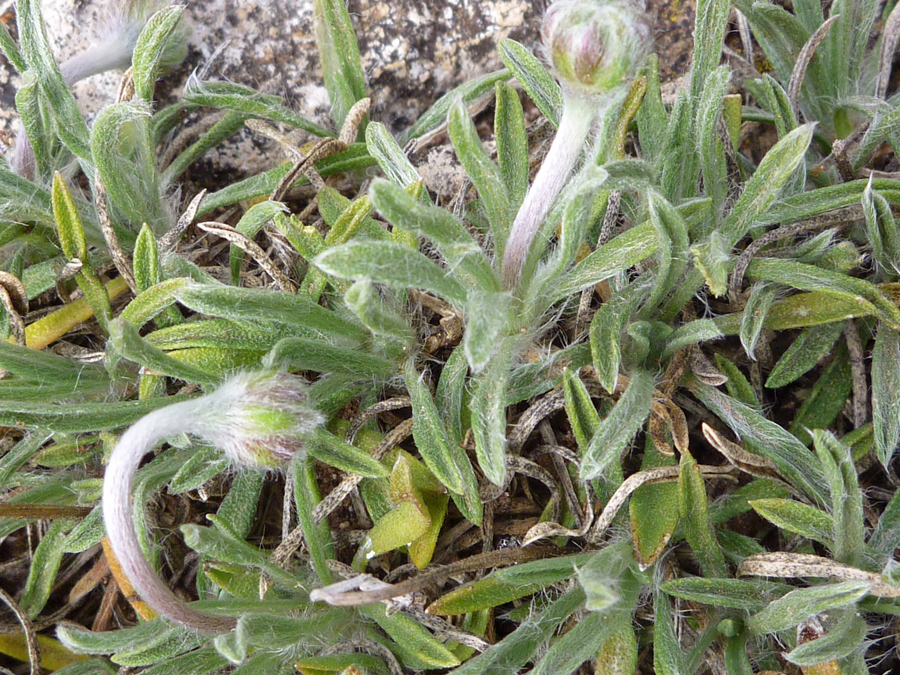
x,y
797,517
484,174
70,125
150,50
846,498
512,143
798,605
534,78
673,252
390,156
431,436
488,408
804,353
620,426
74,245
886,392
791,457
447,233
764,187
699,530
339,53
392,265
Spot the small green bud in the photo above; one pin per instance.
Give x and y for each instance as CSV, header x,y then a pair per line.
x,y
594,46
259,419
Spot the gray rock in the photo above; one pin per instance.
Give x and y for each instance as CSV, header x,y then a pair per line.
x,y
413,51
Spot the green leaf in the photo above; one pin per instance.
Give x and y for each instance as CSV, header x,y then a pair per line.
x,y
402,525
78,417
767,439
886,536
827,398
245,304
339,55
488,408
376,314
619,254
390,156
249,225
886,392
313,354
796,517
44,566
126,342
699,530
606,330
805,352
749,595
668,657
442,456
581,643
220,544
801,604
680,169
390,264
766,183
28,105
484,174
126,161
841,640
512,143
709,31
515,650
70,125
446,232
470,92
316,535
353,159
762,295
534,78
150,50
246,102
673,251
412,636
619,428
813,278
206,661
709,108
83,641
846,498
583,416
653,510
489,317
328,448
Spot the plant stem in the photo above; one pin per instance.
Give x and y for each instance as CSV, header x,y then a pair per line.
x,y
574,125
117,514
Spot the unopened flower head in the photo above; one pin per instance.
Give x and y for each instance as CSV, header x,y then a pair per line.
x,y
594,46
259,419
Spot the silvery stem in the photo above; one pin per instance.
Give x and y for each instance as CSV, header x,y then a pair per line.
x,y
574,126
118,517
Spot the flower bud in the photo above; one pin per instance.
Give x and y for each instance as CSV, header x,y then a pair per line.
x,y
258,419
594,46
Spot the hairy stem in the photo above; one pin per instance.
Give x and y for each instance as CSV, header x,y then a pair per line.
x,y
118,517
574,125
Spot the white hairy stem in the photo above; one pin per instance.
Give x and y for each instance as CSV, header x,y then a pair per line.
x,y
118,482
574,126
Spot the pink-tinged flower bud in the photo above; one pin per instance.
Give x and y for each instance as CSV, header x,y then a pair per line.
x,y
258,419
594,46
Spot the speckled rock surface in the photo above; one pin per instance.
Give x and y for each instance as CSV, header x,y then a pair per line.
x,y
413,51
